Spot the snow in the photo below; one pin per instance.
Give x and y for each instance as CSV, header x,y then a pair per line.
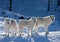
x,y
52,36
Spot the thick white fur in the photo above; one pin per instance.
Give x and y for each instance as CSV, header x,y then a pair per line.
x,y
43,22
26,23
9,25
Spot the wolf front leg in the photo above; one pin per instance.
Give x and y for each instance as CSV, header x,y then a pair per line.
x,y
36,28
30,31
20,31
7,32
46,30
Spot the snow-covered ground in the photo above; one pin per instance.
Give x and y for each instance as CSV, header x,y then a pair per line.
x,y
53,36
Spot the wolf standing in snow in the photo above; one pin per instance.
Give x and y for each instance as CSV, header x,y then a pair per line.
x,y
26,23
7,25
10,25
43,22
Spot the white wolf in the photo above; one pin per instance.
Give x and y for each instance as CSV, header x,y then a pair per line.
x,y
14,27
10,24
43,22
26,23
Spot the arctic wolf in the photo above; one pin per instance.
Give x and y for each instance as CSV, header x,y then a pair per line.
x,y
43,22
10,25
26,23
